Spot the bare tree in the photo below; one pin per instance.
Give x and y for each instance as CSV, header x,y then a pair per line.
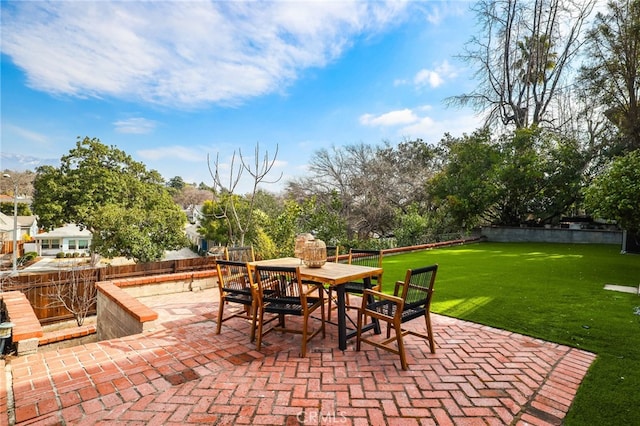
x,y
611,74
189,195
371,183
522,57
258,171
24,180
75,290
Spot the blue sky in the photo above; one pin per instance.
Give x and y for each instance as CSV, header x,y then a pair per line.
x,y
173,82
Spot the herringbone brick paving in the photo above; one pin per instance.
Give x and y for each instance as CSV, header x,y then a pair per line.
x,y
183,373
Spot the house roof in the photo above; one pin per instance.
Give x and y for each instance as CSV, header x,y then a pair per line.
x,y
68,230
6,222
4,198
26,221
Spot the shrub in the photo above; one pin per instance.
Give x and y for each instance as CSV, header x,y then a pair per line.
x,y
27,257
60,255
30,255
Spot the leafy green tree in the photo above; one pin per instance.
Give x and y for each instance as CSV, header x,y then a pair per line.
x,y
23,209
101,188
616,193
324,220
412,228
519,178
283,228
539,178
177,183
466,187
532,174
265,248
215,225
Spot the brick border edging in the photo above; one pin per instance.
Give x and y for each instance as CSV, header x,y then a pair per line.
x,y
27,329
429,246
551,402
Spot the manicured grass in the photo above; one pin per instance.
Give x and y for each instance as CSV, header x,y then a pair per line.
x,y
553,292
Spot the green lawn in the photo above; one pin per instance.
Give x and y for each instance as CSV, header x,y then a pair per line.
x,y
554,292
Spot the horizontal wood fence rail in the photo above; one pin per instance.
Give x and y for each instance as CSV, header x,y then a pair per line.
x,y
7,248
40,289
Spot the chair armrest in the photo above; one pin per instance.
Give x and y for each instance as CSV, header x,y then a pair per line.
x,y
378,308
397,287
311,287
381,296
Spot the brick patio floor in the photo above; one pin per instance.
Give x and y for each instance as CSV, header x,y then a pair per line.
x,y
183,373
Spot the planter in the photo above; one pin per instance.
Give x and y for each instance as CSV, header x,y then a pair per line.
x,y
5,329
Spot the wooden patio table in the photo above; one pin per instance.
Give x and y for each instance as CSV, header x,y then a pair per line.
x,y
335,275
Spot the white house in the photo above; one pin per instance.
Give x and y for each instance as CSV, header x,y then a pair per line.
x,y
66,239
27,225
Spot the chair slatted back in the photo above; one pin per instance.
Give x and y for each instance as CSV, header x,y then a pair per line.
x,y
417,291
333,252
233,276
219,252
372,258
240,254
278,284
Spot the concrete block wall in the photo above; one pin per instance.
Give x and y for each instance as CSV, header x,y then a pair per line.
x,y
552,235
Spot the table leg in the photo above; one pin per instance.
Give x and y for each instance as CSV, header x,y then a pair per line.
x,y
376,322
342,317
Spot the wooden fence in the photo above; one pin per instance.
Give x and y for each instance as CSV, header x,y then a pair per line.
x,y
7,248
42,289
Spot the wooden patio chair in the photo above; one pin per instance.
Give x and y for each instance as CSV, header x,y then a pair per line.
x,y
333,253
240,254
279,292
235,286
411,299
361,257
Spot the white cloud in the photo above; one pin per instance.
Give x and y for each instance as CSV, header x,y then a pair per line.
x,y
392,118
435,77
27,134
172,152
421,123
137,126
181,54
432,129
428,77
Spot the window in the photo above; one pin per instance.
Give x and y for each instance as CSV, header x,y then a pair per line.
x,y
72,244
83,244
53,243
